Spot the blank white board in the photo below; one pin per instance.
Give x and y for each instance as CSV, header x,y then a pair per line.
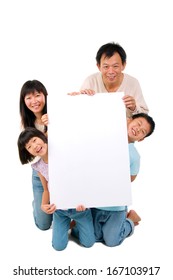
x,y
88,151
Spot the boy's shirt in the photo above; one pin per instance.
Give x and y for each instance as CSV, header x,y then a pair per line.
x,y
134,158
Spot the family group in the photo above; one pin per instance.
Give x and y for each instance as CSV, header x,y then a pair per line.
x,y
109,225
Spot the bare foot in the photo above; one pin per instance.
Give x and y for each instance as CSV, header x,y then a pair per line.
x,y
72,224
132,215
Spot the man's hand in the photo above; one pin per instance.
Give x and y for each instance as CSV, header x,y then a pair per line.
x,y
80,208
83,91
87,91
129,102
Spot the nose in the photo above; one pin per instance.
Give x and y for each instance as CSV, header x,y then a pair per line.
x,y
34,99
34,146
110,69
138,129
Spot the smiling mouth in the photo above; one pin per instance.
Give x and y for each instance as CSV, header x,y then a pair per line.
x,y
134,132
35,107
38,150
111,77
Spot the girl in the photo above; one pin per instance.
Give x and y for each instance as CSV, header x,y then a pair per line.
x,y
32,143
33,112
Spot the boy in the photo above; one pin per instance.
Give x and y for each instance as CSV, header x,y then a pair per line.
x,y
113,224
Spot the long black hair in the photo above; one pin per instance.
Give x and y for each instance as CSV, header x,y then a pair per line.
x,y
27,116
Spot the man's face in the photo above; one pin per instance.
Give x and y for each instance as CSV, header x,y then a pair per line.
x,y
137,129
111,68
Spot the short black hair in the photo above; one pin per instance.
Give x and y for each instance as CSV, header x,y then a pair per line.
x,y
24,138
148,119
109,49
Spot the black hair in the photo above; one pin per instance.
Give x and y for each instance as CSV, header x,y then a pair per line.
x,y
109,49
24,138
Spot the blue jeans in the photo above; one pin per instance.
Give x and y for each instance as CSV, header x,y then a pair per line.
x,y
111,227
42,220
61,224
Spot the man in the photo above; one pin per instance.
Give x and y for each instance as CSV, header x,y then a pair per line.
x,y
111,62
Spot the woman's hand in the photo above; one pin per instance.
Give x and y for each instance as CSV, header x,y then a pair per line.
x,y
44,119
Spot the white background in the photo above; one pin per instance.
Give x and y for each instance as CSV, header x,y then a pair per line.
x,y
56,43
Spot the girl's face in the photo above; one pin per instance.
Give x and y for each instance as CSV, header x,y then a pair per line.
x,y
36,147
35,101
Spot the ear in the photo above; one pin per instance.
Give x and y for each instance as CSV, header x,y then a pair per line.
x,y
129,121
123,66
98,66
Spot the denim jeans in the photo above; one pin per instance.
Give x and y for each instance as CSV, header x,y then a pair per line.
x,y
61,224
42,220
111,227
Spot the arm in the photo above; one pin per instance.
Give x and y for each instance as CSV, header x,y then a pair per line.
x,y
140,104
135,105
133,99
133,177
45,205
129,102
91,85
134,161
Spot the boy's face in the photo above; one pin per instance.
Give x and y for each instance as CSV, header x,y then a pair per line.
x,y
36,147
137,129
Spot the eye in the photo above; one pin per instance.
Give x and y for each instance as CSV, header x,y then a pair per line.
x,y
28,147
27,97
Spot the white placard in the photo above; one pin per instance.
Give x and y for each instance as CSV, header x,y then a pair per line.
x,y
88,151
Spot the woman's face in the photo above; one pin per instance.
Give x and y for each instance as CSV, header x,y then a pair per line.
x,y
35,101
